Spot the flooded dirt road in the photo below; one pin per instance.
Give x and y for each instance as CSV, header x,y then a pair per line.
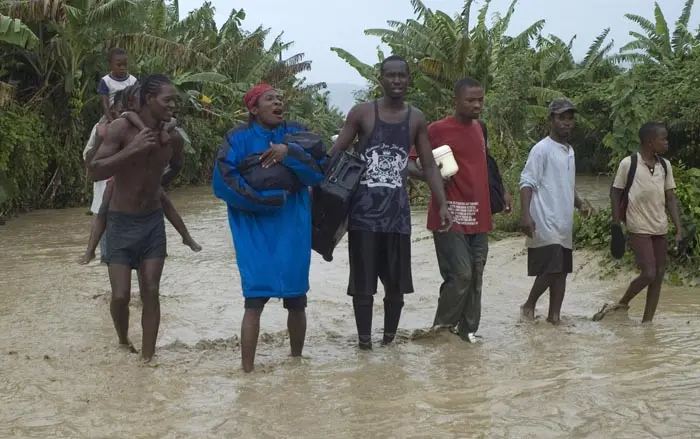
x,y
62,375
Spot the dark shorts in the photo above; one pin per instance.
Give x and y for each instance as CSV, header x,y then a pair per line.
x,y
550,259
133,238
291,303
379,256
649,252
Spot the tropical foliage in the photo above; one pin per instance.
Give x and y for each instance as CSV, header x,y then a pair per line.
x,y
53,53
654,77
523,73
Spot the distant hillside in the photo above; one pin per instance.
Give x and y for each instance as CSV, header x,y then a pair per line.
x,y
341,95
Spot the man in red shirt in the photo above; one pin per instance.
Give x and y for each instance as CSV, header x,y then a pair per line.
x,y
462,251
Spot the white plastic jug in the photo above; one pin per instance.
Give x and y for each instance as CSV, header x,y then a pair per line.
x,y
443,154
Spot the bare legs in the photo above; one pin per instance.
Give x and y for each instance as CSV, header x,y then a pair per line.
x,y
149,283
250,331
120,280
556,283
296,325
99,223
650,253
176,220
150,272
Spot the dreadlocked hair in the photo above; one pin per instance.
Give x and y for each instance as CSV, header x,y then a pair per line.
x,y
151,85
130,93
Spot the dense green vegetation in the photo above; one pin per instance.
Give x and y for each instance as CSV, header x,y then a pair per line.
x,y
53,54
654,77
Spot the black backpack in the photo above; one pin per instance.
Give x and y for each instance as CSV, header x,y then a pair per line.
x,y
496,188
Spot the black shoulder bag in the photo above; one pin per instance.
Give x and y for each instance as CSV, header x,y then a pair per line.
x,y
496,188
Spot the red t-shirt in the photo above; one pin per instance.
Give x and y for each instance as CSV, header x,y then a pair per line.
x,y
468,190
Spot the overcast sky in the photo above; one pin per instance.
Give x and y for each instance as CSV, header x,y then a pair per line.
x,y
317,25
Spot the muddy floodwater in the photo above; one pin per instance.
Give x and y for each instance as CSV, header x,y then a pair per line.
x,y
62,375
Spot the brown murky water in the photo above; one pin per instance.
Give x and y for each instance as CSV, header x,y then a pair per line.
x,y
63,377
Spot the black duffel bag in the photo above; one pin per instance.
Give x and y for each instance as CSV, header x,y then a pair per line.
x,y
331,202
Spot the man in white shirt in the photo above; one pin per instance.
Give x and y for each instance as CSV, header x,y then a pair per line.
x,y
548,198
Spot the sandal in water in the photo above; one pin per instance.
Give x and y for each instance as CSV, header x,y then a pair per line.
x,y
607,309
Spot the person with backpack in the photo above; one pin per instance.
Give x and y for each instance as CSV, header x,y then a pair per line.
x,y
641,194
474,193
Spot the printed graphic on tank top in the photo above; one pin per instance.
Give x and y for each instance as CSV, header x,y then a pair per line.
x,y
380,203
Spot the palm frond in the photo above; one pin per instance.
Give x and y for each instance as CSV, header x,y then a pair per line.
x,y
38,10
109,12
421,10
681,35
199,77
368,72
644,23
174,53
663,32
594,49
13,31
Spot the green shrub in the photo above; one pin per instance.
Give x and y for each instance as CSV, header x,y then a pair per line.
x,y
205,136
24,157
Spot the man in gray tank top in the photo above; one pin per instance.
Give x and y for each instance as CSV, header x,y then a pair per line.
x,y
379,230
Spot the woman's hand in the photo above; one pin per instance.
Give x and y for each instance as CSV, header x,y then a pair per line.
x,y
274,155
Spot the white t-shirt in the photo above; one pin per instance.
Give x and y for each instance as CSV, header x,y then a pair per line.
x,y
110,85
550,171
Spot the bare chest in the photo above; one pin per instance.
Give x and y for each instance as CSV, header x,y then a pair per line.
x,y
151,162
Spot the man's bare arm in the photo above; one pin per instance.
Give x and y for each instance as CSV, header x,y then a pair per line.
x,y
525,200
414,171
350,130
110,156
425,153
674,210
177,159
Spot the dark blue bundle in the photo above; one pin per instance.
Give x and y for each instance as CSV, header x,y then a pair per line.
x,y
277,176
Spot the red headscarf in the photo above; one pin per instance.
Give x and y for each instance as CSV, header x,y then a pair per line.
x,y
252,96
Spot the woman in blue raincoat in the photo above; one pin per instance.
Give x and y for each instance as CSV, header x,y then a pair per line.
x,y
271,227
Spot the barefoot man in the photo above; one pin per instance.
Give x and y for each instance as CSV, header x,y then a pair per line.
x,y
135,224
548,197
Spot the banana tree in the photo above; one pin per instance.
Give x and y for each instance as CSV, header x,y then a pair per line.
x,y
658,44
444,49
597,60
